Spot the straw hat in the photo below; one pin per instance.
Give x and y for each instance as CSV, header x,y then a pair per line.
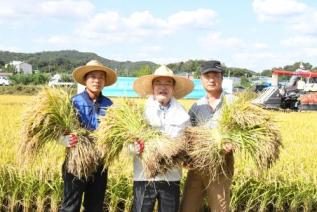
x,y
94,65
143,85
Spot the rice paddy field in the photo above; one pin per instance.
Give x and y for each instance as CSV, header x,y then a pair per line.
x,y
289,185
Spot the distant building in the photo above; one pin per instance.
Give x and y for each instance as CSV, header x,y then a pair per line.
x,y
22,67
236,81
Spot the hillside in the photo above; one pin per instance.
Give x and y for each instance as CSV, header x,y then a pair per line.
x,y
67,60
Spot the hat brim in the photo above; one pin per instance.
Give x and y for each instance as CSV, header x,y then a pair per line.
x,y
143,85
211,70
80,72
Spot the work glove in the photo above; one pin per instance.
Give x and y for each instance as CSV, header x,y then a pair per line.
x,y
70,140
137,147
228,148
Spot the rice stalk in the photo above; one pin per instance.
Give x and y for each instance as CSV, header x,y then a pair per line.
x,y
123,125
161,155
249,129
51,116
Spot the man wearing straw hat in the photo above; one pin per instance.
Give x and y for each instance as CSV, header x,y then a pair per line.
x,y
206,111
164,113
90,104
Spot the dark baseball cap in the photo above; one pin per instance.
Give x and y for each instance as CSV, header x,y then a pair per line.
x,y
211,66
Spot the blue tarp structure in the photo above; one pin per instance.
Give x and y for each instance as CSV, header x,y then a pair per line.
x,y
123,88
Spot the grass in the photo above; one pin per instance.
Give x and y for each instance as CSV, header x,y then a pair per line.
x,y
289,185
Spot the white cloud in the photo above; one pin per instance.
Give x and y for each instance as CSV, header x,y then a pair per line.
x,y
310,52
110,26
144,20
267,59
59,40
274,9
214,41
300,42
259,45
151,49
67,8
10,48
14,11
296,16
201,18
254,60
307,24
103,23
302,46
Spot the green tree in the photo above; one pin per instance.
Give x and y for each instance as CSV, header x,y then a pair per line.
x,y
145,70
10,68
266,73
2,63
296,65
30,79
66,77
245,82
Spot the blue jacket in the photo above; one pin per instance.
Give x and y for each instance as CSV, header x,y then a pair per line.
x,y
89,111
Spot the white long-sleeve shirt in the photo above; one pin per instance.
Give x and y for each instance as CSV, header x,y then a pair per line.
x,y
171,121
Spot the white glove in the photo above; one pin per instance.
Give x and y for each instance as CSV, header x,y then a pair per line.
x,y
136,148
70,140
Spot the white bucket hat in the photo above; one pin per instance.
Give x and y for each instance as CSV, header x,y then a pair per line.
x,y
94,65
143,85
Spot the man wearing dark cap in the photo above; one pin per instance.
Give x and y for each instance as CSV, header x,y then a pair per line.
x,y
206,111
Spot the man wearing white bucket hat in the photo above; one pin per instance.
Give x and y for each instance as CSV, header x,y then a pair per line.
x,y
163,112
89,105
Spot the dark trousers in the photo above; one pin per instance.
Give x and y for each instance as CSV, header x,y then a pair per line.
x,y
145,194
93,189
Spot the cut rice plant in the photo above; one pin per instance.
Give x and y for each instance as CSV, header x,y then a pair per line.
x,y
204,151
161,155
51,116
248,128
123,125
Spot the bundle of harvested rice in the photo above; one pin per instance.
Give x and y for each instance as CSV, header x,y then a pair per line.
x,y
161,155
50,116
123,125
246,127
204,150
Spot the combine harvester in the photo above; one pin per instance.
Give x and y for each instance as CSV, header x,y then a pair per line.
x,y
299,94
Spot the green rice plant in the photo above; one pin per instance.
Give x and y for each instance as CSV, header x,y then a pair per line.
x,y
119,194
250,194
56,193
41,199
48,118
123,125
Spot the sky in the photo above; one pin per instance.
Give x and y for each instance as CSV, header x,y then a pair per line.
x,y
252,34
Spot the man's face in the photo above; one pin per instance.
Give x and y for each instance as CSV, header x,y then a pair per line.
x,y
212,81
95,81
163,88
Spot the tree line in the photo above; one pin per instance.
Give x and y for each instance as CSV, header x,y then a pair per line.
x,y
46,64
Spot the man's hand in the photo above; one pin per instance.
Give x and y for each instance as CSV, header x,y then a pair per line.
x,y
228,147
137,147
70,140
